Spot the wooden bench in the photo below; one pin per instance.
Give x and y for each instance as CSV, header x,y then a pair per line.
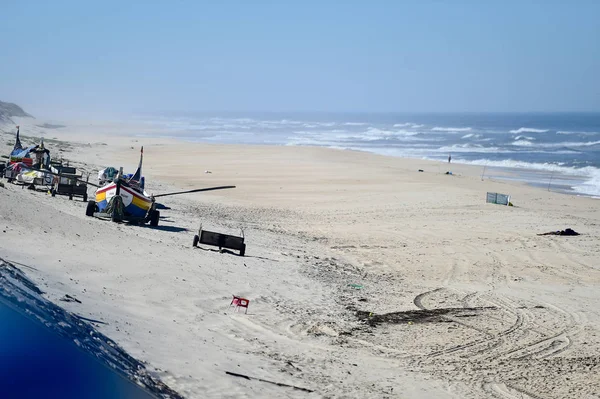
x,y
220,240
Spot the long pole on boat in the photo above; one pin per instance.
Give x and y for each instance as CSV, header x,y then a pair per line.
x,y
195,191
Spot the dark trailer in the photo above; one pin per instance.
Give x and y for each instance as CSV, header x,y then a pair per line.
x,y
67,181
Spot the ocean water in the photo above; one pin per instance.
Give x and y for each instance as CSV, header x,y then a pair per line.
x,y
35,362
536,148
48,352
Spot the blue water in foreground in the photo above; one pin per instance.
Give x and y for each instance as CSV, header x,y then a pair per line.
x,y
38,363
567,144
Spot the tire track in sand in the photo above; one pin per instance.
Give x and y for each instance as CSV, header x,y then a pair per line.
x,y
508,391
552,345
487,339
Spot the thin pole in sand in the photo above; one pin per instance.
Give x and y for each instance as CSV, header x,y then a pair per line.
x,y
550,182
483,173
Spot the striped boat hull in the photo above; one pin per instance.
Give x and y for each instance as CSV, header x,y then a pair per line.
x,y
136,204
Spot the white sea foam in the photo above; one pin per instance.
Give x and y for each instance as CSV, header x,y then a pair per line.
x,y
237,120
279,123
451,129
289,122
373,134
580,133
524,138
303,140
468,147
471,135
355,124
381,133
579,144
522,143
510,163
408,124
477,148
568,144
528,130
591,186
368,137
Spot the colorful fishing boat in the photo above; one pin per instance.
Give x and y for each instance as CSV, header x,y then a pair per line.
x,y
20,153
135,203
34,160
124,199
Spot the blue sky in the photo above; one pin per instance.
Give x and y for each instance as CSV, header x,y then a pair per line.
x,y
62,57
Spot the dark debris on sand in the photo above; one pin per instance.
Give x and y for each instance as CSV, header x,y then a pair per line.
x,y
418,316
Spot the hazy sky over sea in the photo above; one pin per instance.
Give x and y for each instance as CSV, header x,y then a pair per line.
x,y
67,57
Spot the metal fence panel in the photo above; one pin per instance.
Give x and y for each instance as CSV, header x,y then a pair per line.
x,y
497,198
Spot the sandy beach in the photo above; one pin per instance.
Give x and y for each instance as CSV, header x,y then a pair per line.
x,y
366,277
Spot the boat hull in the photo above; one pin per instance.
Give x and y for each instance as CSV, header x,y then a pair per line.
x,y
136,204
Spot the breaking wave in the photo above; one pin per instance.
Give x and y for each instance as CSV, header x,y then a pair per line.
x,y
591,185
381,133
580,133
477,148
410,125
470,148
580,144
510,163
451,129
522,143
569,144
566,144
524,137
528,130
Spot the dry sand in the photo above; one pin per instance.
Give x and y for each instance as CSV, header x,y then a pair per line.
x,y
459,298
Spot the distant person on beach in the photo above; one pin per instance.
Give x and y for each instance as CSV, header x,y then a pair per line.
x,y
449,158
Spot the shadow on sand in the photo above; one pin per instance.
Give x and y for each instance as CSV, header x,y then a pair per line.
x,y
227,251
174,229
